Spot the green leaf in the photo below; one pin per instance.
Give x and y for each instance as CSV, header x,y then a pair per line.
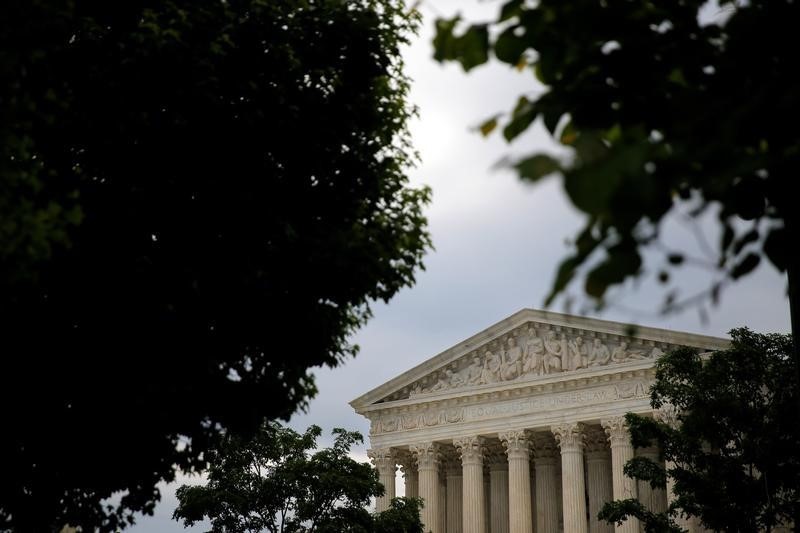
x,y
470,49
473,47
565,273
727,236
622,261
744,240
510,9
509,47
523,115
536,167
488,126
776,248
677,77
746,265
444,42
568,135
675,259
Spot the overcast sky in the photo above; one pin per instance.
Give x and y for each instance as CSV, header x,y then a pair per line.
x,y
497,242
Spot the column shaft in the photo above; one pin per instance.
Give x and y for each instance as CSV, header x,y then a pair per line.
x,y
498,479
384,462
487,500
519,482
427,455
621,452
598,477
442,501
545,480
454,508
474,514
570,439
412,483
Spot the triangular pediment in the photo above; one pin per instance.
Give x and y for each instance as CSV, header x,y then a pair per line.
x,y
529,346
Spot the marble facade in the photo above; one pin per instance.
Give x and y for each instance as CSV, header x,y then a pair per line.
x,y
520,428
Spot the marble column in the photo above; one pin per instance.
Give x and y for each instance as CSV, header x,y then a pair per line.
x,y
454,497
570,440
428,456
498,481
442,499
384,461
473,506
544,460
519,481
655,500
487,499
598,479
621,452
408,466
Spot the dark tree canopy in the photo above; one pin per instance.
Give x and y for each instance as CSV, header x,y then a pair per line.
x,y
198,201
661,106
279,482
731,438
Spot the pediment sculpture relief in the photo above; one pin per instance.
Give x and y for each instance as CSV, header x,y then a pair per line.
x,y
534,351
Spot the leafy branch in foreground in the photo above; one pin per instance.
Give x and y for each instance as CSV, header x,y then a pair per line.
x,y
666,110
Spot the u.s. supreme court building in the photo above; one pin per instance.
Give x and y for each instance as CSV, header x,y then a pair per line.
x,y
520,428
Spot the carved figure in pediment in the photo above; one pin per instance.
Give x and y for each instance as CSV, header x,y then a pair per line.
x,y
491,368
554,350
599,354
511,361
656,352
442,383
621,353
454,379
472,374
534,354
578,354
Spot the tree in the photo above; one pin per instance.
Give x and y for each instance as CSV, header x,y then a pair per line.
x,y
401,517
731,440
665,111
199,200
278,483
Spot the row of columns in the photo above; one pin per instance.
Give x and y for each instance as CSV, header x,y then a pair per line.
x,y
461,503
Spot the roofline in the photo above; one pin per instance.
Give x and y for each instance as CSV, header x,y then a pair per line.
x,y
556,319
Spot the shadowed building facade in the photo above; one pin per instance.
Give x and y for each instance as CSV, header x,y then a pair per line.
x,y
520,428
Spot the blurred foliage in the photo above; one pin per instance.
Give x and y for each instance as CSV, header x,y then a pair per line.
x,y
280,482
198,202
733,448
684,102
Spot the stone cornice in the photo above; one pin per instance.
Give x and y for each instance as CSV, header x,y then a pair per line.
x,y
551,321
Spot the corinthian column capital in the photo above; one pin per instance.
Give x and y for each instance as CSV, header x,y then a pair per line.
x,y
570,437
516,443
427,454
383,459
471,449
617,431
